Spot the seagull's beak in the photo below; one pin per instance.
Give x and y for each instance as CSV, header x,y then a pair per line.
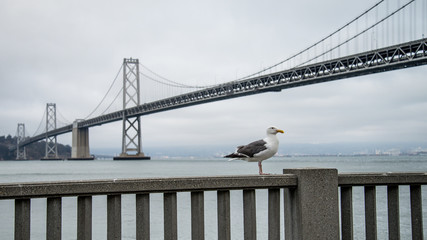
x,y
280,131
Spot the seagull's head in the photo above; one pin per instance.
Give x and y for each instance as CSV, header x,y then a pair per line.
x,y
274,130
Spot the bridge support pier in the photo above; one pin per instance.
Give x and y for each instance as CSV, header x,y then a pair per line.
x,y
80,145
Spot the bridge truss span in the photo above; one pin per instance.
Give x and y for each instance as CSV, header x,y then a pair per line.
x,y
395,57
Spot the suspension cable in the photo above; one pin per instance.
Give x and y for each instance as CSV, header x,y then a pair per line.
x,y
41,122
169,82
109,89
313,45
66,122
357,35
117,95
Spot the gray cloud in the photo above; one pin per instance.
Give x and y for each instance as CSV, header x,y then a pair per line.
x,y
69,52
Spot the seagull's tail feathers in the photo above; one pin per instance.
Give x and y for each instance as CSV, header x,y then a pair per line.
x,y
236,156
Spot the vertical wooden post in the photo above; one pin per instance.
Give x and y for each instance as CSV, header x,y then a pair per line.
x,y
170,216
114,217
274,214
197,216
393,212
249,214
416,212
370,213
223,202
143,216
22,219
84,217
347,213
54,218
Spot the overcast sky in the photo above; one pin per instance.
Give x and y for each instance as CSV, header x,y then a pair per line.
x,y
68,52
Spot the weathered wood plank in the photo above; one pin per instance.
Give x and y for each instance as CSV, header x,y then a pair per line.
x,y
364,179
249,214
416,212
142,216
84,218
170,216
370,213
114,217
393,212
53,218
347,213
22,219
223,202
151,185
274,214
197,215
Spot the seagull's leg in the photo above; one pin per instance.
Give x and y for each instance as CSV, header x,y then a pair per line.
x,y
260,169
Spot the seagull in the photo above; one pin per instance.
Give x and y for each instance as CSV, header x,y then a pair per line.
x,y
260,150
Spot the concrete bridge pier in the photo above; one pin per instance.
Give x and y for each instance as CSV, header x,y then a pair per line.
x,y
80,143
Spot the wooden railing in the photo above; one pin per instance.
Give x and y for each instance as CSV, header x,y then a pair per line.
x,y
311,200
392,181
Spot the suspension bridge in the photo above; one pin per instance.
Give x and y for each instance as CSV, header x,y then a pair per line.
x,y
387,36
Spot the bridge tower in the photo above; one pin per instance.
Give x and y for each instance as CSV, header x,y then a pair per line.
x,y
20,135
131,134
51,142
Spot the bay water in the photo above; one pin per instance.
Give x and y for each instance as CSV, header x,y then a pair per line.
x,y
36,171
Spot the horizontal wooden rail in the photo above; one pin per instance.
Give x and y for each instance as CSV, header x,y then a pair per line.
x,y
369,181
366,179
152,185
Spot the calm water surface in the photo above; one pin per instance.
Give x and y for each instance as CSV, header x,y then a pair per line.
x,y
30,171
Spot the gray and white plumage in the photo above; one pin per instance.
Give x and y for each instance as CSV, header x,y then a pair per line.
x,y
260,150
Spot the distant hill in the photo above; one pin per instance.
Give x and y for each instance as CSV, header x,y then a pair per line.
x,y
34,151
